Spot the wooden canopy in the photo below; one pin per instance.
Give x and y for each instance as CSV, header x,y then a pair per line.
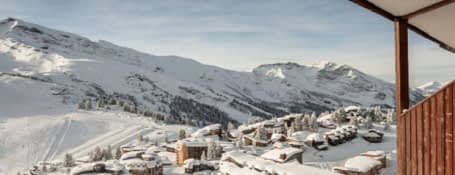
x,y
433,19
416,153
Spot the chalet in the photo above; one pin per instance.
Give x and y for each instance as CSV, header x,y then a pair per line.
x,y
360,165
109,167
282,155
142,163
192,165
189,149
249,140
143,167
340,135
210,130
377,155
239,161
373,136
278,138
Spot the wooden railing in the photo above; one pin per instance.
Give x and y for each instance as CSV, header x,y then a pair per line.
x,y
425,143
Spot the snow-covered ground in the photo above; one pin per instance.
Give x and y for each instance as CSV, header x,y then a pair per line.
x,y
28,140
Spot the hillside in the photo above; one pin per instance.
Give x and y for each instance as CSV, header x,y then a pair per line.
x,y
49,70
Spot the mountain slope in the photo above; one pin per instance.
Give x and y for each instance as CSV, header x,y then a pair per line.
x,y
431,87
76,69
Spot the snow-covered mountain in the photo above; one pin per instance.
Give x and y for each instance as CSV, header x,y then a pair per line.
x,y
46,69
430,87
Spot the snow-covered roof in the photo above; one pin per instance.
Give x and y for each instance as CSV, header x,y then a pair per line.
x,y
300,135
114,165
194,142
275,154
352,108
374,153
206,130
315,137
231,168
275,137
139,164
153,149
361,164
82,168
290,168
131,155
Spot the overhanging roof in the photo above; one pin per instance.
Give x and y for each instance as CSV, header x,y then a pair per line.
x,y
433,19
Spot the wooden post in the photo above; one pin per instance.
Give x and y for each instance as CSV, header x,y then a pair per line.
x,y
401,90
401,66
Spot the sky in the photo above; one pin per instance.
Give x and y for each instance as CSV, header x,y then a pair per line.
x,y
240,35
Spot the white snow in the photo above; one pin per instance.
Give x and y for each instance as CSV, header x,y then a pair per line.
x,y
275,153
430,87
361,163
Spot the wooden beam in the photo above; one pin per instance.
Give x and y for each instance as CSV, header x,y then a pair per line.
x,y
427,9
374,8
401,90
401,66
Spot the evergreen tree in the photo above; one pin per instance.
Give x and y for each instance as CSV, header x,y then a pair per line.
x,y
182,134
218,150
81,105
97,154
369,123
291,130
386,126
68,160
314,123
118,153
203,156
211,146
88,105
298,123
306,122
108,153
140,138
354,121
230,126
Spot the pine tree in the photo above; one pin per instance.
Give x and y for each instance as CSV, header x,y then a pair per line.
x,y
118,153
218,150
97,154
306,122
88,105
203,156
369,123
291,130
314,123
182,134
108,153
354,121
211,146
230,126
140,138
240,140
68,161
261,133
298,123
81,105
386,126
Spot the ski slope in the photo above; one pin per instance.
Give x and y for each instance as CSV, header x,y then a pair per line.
x,y
28,140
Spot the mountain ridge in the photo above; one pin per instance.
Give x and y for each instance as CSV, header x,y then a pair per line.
x,y
178,88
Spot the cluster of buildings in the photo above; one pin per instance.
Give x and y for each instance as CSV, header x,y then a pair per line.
x,y
271,147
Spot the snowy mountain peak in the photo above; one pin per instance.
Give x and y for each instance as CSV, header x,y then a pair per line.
x,y
430,87
77,70
325,65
